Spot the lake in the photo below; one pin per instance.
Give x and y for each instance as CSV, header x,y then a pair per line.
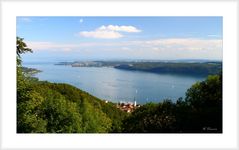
x,y
118,85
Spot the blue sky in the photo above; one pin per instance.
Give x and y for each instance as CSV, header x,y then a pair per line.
x,y
96,38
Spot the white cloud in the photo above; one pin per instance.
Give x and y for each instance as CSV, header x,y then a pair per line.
x,y
159,44
125,48
101,34
119,28
186,43
213,35
50,46
172,48
109,32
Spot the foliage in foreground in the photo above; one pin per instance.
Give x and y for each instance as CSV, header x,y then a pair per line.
x,y
61,108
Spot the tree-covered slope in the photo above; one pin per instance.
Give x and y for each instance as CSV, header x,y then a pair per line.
x,y
62,108
200,69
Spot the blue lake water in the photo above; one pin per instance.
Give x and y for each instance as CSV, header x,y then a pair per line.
x,y
118,85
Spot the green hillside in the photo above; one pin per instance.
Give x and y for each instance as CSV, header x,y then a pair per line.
x,y
62,108
195,69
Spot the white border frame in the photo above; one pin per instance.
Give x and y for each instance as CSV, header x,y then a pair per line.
x,y
10,9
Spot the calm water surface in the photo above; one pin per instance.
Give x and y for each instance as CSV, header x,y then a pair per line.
x,y
118,85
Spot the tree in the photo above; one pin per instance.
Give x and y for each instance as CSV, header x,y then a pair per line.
x,y
61,114
94,120
152,118
28,101
29,117
205,101
22,47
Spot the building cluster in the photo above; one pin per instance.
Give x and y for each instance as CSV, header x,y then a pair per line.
x,y
128,106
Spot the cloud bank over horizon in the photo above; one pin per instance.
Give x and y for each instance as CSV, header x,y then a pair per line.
x,y
158,48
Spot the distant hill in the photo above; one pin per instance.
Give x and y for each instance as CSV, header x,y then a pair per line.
x,y
184,67
200,69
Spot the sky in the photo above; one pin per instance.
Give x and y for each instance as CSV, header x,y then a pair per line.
x,y
120,38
